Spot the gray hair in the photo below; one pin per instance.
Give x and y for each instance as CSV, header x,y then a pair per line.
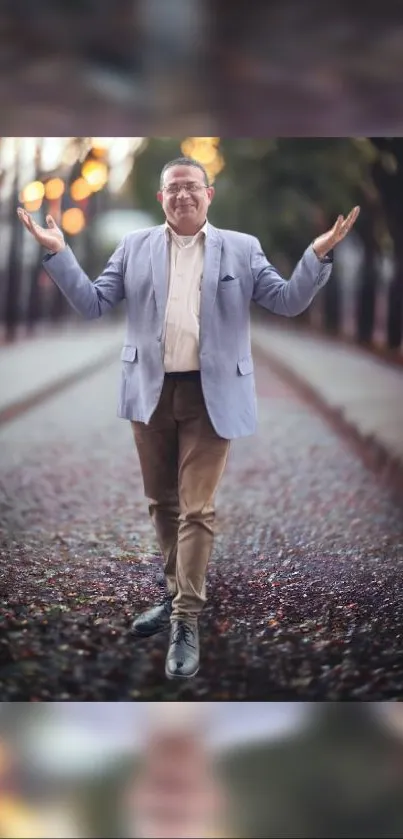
x,y
183,161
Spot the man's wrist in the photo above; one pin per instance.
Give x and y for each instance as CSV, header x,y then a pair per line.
x,y
55,250
323,256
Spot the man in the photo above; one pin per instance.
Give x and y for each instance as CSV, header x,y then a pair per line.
x,y
177,791
187,379
338,773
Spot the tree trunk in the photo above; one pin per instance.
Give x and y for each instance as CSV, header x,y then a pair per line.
x,y
14,261
395,303
388,176
332,304
366,298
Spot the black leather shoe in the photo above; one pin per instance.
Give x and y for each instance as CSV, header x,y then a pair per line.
x,y
183,655
153,620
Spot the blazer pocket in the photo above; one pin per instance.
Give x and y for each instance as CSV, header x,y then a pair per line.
x,y
229,282
128,354
245,365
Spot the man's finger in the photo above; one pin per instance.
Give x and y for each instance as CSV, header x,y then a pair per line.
x,y
28,222
22,219
350,220
35,229
31,224
26,216
335,231
355,214
22,215
352,216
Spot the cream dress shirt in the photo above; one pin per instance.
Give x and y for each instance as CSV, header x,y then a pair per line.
x,y
182,314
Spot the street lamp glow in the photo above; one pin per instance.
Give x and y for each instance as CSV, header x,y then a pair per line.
x,y
205,151
54,189
33,206
95,173
73,221
52,151
32,191
80,189
99,145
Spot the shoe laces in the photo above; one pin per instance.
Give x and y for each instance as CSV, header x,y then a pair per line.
x,y
185,633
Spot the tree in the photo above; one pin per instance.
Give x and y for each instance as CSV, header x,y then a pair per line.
x,y
287,191
388,177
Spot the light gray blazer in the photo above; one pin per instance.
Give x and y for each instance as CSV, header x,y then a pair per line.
x,y
236,271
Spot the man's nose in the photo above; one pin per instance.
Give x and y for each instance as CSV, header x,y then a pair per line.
x,y
182,189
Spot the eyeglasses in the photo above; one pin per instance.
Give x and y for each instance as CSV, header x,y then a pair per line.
x,y
174,189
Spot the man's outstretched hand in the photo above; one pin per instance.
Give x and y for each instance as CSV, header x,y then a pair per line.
x,y
51,237
324,243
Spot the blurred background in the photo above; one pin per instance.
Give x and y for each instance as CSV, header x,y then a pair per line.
x,y
283,769
145,66
306,596
284,191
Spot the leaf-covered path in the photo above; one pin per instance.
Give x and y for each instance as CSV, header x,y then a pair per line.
x,y
304,587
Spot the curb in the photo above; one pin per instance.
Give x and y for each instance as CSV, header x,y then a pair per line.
x,y
374,455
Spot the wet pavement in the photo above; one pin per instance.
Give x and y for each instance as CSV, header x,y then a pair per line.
x,y
304,587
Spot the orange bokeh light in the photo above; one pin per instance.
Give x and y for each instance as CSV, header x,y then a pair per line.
x,y
95,173
80,189
33,206
54,189
205,151
33,191
73,221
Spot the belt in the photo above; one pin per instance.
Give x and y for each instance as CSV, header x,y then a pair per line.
x,y
185,374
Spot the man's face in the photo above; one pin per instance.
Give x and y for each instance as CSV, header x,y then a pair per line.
x,y
185,198
176,794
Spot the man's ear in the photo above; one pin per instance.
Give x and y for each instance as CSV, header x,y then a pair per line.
x,y
159,197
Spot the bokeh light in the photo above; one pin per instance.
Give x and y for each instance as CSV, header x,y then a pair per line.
x,y
33,206
54,189
80,189
95,173
73,221
33,191
205,151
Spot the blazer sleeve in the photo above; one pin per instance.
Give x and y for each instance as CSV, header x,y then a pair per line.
x,y
89,299
287,297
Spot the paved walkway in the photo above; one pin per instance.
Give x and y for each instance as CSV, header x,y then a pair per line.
x,y
367,391
304,588
33,368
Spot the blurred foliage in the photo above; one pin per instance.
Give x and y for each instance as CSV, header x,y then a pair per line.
x,y
341,777
287,191
284,191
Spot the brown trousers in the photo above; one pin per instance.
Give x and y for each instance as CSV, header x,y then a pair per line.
x,y
182,460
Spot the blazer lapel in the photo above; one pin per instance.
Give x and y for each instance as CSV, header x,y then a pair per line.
x,y
211,270
160,268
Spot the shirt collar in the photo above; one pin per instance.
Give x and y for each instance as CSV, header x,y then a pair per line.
x,y
170,233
